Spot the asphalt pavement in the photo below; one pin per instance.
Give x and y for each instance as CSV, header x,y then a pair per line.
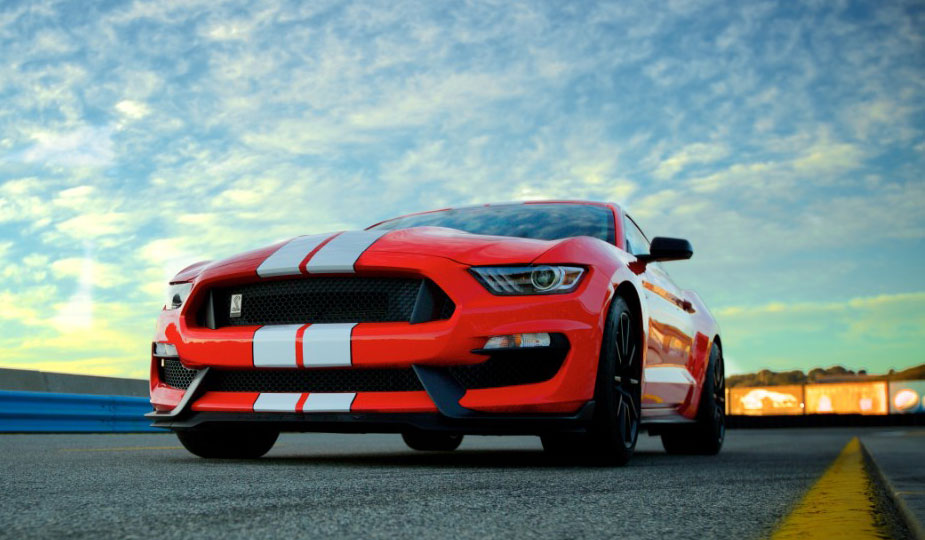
x,y
372,486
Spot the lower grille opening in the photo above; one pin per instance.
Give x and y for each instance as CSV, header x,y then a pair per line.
x,y
503,368
511,368
314,380
174,374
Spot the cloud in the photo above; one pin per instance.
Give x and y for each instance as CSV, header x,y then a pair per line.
x,y
134,110
83,147
230,31
861,302
76,198
691,154
95,225
92,272
77,313
23,199
876,333
825,158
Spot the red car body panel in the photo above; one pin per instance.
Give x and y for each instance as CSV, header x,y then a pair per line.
x,y
678,329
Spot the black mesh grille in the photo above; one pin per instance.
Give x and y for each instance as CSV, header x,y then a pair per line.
x,y
174,374
510,369
314,380
328,300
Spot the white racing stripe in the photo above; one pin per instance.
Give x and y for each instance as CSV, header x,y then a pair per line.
x,y
276,402
318,402
327,345
285,261
668,374
274,346
340,254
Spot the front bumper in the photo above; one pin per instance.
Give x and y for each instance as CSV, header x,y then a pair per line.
x,y
430,348
440,386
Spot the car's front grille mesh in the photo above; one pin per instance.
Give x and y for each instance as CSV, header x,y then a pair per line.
x,y
314,380
501,369
329,300
175,374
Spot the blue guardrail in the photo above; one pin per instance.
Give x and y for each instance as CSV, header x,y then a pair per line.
x,y
32,412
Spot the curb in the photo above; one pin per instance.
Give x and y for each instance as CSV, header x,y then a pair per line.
x,y
915,527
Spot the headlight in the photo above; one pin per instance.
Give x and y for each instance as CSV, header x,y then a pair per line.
x,y
177,293
514,280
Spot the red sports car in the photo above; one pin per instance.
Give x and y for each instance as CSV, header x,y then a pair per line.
x,y
546,318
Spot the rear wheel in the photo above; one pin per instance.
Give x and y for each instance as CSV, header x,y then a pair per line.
x,y
707,435
228,443
612,436
432,441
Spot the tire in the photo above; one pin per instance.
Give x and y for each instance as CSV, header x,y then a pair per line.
x,y
707,435
228,443
611,438
432,441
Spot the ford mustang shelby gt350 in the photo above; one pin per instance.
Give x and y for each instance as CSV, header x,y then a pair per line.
x,y
546,318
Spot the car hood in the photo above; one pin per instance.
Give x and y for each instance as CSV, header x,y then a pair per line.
x,y
463,247
456,245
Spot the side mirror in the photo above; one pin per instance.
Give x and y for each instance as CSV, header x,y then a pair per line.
x,y
667,249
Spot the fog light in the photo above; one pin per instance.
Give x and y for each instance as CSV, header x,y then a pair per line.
x,y
515,341
165,349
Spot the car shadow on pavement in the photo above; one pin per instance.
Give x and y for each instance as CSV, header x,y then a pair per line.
x,y
501,459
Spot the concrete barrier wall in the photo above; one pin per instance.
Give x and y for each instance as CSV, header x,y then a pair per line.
x,y
42,381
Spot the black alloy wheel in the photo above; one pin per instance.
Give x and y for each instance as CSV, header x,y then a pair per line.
x,y
627,385
706,436
611,438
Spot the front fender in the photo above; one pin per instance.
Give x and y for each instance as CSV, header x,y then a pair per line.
x,y
608,263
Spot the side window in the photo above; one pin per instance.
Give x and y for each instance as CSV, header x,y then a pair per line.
x,y
636,242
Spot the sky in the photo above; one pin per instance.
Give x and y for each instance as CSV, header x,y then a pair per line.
x,y
786,140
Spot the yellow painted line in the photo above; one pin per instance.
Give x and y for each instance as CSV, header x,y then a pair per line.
x,y
840,505
121,449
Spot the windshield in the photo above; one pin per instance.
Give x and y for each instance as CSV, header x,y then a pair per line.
x,y
539,221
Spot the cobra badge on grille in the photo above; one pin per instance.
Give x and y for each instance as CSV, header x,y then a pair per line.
x,y
235,306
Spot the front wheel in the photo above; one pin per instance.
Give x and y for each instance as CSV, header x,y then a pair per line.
x,y
228,443
707,435
611,438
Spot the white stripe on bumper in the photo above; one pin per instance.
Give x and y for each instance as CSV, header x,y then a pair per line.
x,y
272,402
340,254
274,346
328,402
327,345
285,261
